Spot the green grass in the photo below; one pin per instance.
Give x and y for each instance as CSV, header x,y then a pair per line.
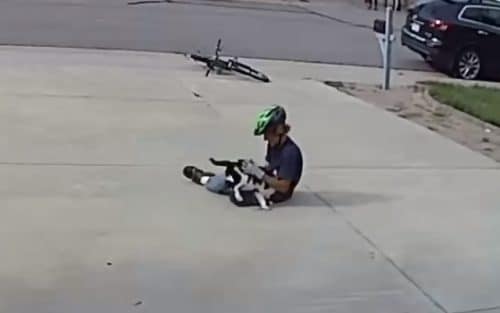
x,y
479,101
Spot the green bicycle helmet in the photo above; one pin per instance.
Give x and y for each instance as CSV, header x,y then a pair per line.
x,y
269,117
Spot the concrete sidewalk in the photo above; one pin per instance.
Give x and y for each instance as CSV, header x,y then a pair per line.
x,y
96,216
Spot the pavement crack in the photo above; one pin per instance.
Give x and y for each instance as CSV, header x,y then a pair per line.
x,y
339,20
406,168
336,19
321,199
147,2
243,5
379,250
480,310
70,164
92,97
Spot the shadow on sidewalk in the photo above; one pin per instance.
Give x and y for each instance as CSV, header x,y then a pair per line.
x,y
350,198
332,199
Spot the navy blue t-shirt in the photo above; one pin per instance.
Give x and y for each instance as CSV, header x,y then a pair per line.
x,y
285,162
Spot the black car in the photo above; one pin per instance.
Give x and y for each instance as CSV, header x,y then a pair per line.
x,y
460,38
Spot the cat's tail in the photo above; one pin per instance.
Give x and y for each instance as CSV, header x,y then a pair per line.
x,y
222,162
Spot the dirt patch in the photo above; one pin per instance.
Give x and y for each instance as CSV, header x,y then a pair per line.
x,y
415,104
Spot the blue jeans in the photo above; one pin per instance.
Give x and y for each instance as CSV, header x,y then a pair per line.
x,y
217,184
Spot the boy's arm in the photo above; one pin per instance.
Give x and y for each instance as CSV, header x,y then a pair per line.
x,y
281,185
264,173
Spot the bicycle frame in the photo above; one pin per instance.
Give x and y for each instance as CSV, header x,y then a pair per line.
x,y
232,64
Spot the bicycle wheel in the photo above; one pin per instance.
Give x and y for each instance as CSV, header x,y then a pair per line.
x,y
249,71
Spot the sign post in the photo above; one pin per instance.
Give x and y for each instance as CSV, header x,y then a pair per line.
x,y
384,32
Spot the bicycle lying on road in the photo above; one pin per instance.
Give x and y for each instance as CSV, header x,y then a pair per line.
x,y
217,64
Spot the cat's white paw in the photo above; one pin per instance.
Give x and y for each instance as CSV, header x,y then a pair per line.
x,y
266,208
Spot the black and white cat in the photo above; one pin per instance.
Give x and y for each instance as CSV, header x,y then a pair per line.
x,y
241,181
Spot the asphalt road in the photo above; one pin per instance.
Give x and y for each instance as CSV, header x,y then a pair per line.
x,y
267,31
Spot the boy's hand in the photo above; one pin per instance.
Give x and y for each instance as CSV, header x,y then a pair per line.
x,y
250,168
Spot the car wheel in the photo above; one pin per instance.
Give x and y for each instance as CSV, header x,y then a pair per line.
x,y
426,58
468,64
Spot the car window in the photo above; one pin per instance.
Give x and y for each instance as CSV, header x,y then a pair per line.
x,y
475,14
492,17
483,15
